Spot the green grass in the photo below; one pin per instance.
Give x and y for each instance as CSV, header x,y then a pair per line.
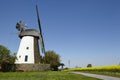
x,y
43,76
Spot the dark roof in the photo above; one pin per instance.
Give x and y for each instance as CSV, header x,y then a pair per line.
x,y
29,32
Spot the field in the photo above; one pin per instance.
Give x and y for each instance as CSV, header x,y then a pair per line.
x,y
42,76
104,70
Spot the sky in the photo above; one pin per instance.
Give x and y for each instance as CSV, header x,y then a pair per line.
x,y
81,31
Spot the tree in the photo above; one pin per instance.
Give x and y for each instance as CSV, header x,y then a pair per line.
x,y
4,53
6,60
89,65
53,59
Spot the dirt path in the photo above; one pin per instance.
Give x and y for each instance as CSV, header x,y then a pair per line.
x,y
97,76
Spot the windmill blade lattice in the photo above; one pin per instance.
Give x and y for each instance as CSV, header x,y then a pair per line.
x,y
41,37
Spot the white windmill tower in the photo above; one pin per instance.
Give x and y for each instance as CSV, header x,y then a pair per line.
x,y
28,52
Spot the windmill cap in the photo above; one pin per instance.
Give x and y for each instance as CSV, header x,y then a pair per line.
x,y
29,32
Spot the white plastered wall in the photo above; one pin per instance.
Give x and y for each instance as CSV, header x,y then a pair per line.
x,y
26,48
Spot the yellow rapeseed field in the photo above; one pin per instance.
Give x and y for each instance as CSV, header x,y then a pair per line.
x,y
114,68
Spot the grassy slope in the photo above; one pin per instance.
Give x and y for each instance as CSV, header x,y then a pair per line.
x,y
42,76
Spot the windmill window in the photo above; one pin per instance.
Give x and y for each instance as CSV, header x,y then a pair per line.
x,y
19,56
27,48
26,58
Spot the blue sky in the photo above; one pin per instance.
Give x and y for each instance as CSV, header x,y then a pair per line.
x,y
82,31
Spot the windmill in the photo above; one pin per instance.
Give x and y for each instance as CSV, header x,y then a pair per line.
x,y
28,52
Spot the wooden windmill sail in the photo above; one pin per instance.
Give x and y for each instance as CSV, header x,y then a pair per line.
x,y
28,52
41,37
